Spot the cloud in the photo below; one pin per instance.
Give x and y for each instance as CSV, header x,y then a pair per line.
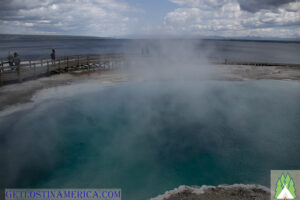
x,y
227,18
247,5
256,5
201,3
79,17
231,18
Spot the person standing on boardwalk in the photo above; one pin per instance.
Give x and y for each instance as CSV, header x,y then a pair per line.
x,y
53,56
16,60
17,63
10,59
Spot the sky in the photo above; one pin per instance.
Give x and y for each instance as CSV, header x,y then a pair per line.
x,y
135,18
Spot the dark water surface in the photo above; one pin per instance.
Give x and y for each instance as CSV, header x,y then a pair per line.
x,y
149,137
36,47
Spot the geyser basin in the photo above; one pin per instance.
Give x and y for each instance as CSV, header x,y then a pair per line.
x,y
149,137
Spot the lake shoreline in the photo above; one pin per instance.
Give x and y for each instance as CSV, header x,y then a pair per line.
x,y
17,95
13,95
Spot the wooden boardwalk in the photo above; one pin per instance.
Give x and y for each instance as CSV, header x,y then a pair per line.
x,y
258,64
31,69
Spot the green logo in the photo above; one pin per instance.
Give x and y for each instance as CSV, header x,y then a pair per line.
x,y
285,188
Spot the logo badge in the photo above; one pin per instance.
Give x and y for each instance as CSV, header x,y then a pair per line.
x,y
285,187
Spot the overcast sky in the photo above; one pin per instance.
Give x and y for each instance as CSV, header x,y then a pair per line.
x,y
117,18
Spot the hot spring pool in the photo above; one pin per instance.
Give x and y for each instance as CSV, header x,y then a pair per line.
x,y
149,137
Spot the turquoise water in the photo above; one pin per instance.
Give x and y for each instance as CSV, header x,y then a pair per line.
x,y
149,137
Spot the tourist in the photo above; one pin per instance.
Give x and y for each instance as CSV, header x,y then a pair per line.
x,y
10,59
53,56
17,60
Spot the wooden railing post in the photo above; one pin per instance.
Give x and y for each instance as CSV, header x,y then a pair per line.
x,y
110,63
19,73
34,70
42,64
59,67
88,63
67,63
99,61
1,71
48,68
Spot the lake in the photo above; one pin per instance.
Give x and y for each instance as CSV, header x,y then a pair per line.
x,y
37,47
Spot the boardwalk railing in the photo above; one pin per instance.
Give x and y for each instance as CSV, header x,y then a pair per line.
x,y
30,69
257,64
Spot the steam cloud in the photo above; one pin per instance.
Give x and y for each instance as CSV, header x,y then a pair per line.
x,y
166,127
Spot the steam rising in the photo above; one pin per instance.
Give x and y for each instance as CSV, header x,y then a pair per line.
x,y
170,59
166,127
